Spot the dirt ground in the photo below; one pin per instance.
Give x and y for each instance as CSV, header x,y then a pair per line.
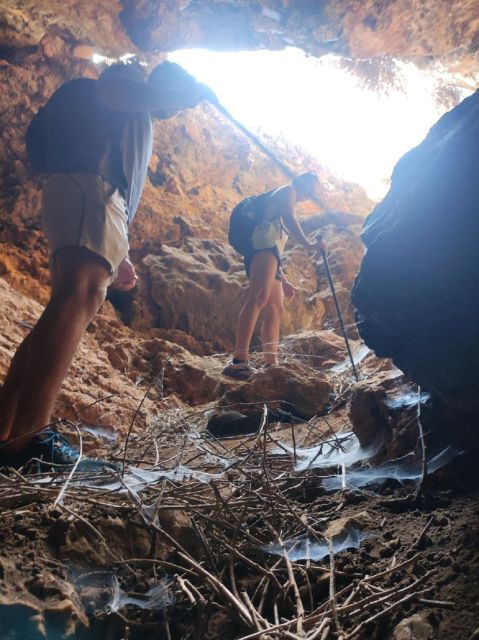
x,y
185,559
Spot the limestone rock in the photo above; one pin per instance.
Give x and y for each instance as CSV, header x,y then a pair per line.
x,y
294,388
157,355
385,418
364,29
26,23
341,526
369,415
38,605
415,627
197,290
417,289
319,349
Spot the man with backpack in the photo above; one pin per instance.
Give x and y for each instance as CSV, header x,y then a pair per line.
x,y
93,140
258,230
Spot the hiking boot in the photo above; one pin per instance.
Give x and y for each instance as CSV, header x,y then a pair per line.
x,y
239,369
51,450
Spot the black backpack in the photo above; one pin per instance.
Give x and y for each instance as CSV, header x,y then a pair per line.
x,y
71,132
35,140
51,127
245,217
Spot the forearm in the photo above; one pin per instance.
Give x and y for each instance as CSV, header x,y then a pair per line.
x,y
295,230
120,94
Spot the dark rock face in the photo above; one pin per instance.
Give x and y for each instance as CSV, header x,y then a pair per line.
x,y
225,424
417,292
363,28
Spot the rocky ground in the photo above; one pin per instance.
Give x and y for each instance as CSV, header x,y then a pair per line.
x,y
222,477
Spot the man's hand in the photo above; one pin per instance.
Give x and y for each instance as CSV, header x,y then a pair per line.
x,y
289,290
126,278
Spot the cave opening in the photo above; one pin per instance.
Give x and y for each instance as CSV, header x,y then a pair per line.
x,y
330,110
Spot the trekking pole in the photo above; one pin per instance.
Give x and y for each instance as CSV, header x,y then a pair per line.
x,y
284,168
338,309
290,174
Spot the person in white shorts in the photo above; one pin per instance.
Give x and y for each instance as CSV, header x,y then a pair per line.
x,y
93,140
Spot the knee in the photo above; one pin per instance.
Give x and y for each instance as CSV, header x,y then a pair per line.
x,y
260,298
91,294
86,292
275,311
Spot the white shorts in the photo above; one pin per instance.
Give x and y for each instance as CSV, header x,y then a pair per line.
x,y
83,209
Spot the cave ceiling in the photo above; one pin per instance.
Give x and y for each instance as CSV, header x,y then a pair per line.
x,y
445,30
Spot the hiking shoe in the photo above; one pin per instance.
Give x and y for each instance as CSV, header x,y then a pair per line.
x,y
49,446
51,450
239,369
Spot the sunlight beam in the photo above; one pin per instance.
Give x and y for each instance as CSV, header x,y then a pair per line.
x,y
316,105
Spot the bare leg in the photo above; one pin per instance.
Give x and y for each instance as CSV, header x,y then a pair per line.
x,y
262,279
12,384
79,288
270,328
11,389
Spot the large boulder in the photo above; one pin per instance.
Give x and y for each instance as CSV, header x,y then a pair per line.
x,y
295,388
417,292
318,349
198,286
198,289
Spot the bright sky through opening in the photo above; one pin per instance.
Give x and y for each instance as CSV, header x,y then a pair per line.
x,y
314,104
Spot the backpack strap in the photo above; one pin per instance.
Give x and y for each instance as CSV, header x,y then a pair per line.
x,y
259,206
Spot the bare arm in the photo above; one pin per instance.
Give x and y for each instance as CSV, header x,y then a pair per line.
x,y
121,94
286,203
286,206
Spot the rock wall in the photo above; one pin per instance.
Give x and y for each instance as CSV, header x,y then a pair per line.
x,y
417,291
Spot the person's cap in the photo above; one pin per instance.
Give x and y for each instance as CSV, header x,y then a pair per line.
x,y
171,74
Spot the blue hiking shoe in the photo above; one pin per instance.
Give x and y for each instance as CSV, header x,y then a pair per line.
x,y
50,450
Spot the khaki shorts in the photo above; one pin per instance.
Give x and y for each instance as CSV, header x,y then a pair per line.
x,y
83,209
